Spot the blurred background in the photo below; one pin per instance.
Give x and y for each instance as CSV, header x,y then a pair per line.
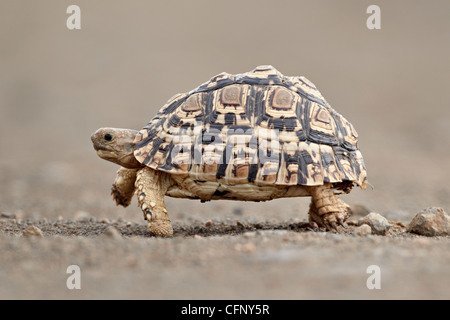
x,y
57,86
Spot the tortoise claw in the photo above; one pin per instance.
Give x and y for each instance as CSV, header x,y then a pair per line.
x,y
333,225
341,223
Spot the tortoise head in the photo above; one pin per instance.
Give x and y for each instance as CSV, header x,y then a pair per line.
x,y
116,145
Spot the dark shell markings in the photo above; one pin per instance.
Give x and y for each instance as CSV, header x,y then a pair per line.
x,y
259,127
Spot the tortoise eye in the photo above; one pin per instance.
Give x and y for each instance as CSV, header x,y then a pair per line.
x,y
108,137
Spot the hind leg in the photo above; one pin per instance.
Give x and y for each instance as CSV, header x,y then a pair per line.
x,y
151,187
326,209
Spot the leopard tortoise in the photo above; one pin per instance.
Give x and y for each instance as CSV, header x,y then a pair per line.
x,y
255,136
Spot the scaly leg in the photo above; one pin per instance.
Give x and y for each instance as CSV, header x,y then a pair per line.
x,y
123,188
151,187
326,209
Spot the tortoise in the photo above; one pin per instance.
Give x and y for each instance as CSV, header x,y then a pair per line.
x,y
254,136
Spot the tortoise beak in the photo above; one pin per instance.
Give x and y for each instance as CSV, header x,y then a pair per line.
x,y
97,140
93,139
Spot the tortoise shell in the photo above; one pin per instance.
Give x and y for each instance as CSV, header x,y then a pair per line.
x,y
259,127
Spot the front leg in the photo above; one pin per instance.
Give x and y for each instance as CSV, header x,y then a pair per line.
x,y
326,209
151,187
123,187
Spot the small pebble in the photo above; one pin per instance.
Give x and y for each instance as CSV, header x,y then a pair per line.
x,y
32,231
112,233
363,230
105,220
7,215
379,224
208,223
430,222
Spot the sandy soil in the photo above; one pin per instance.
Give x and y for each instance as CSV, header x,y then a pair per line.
x,y
58,86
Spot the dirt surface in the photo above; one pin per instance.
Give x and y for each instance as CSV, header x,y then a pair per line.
x,y
58,86
224,260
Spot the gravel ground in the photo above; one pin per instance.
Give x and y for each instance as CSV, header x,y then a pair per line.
x,y
218,260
